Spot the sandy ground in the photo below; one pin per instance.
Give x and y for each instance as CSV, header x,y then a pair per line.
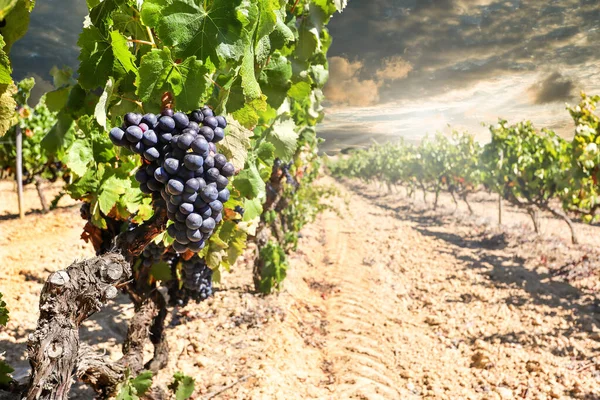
x,y
384,300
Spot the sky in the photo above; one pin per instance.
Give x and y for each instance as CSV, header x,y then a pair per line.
x,y
407,68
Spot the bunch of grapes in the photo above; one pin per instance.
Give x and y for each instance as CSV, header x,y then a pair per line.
x,y
183,165
197,278
152,254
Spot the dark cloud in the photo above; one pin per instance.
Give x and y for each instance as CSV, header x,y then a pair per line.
x,y
454,43
554,87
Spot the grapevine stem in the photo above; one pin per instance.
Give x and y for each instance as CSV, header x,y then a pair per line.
x,y
294,7
151,36
214,83
142,42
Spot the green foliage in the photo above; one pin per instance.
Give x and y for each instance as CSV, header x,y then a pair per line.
x,y
3,312
274,268
5,371
133,388
182,386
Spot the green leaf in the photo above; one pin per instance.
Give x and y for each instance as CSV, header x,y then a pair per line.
x,y
161,271
5,68
236,143
111,190
124,59
78,156
96,58
249,183
300,91
283,136
275,79
56,99
182,386
17,23
193,30
5,371
102,105
142,382
7,107
3,312
252,209
56,138
249,115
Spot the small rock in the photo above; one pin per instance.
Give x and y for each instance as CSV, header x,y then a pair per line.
x,y
505,393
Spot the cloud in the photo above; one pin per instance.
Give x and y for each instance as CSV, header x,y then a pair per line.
x,y
345,86
553,88
394,68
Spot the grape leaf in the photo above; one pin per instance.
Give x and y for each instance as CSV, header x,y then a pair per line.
x,y
124,59
7,107
249,182
3,312
56,99
275,79
194,30
299,91
161,271
17,23
78,156
187,81
5,68
182,385
111,190
236,143
102,105
282,134
6,6
5,370
249,114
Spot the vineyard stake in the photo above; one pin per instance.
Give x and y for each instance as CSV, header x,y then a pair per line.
x,y
20,171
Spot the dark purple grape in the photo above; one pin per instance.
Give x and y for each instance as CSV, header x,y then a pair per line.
x,y
137,148
211,122
181,120
186,208
220,160
193,162
134,134
166,124
207,111
150,120
189,197
117,136
152,154
208,225
185,174
219,134
165,195
207,133
205,211
145,189
180,226
149,138
179,216
161,175
181,237
228,169
194,184
171,165
141,176
165,137
176,199
195,246
222,182
178,153
212,174
218,217
209,162
132,119
216,206
172,207
193,125
154,185
197,116
212,148
194,235
185,141
180,248
193,221
150,169
171,215
175,186
222,121
200,146
172,230
223,195
167,112
209,193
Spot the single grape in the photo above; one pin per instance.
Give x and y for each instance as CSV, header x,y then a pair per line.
x,y
212,148
166,124
216,206
200,146
172,207
208,133
152,154
171,165
180,226
189,197
207,111
219,134
179,248
165,137
212,175
193,221
209,162
178,153
209,193
193,162
223,195
208,225
185,141
194,235
220,160
145,189
211,122
175,186
141,176
176,199
222,182
150,120
193,185
196,246
117,135
172,230
222,121
181,237
132,119
154,185
137,148
143,127
179,216
167,112
186,208
181,120
205,211
150,138
161,175
134,134
228,169
197,116
193,125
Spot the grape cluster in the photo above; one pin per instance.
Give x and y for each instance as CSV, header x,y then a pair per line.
x,y
183,165
197,278
152,254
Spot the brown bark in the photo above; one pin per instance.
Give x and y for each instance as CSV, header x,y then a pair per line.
x,y
38,187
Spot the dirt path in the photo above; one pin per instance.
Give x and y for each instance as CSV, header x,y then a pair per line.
x,y
383,301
